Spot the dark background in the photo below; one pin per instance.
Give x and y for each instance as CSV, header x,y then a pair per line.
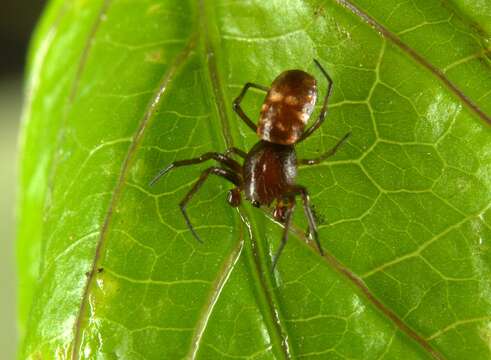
x,y
17,20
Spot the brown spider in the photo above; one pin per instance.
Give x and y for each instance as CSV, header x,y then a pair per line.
x,y
270,167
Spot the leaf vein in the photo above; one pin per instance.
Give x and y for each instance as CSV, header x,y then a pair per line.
x,y
119,187
416,57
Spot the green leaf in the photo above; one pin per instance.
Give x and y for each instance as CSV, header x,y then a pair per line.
x,y
118,89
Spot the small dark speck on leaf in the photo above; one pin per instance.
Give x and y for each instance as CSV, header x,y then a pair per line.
x,y
99,271
319,11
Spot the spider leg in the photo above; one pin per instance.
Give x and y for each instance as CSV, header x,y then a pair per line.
x,y
221,158
287,216
236,151
287,223
238,99
323,114
302,191
227,174
310,218
327,154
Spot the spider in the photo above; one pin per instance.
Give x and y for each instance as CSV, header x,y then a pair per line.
x,y
269,169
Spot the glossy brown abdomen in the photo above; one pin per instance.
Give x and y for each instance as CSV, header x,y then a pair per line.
x,y
269,172
287,107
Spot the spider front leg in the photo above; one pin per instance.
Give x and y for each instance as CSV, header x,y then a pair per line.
x,y
283,213
221,158
227,174
238,99
307,208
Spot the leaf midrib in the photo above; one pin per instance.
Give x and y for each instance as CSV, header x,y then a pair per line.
x,y
274,321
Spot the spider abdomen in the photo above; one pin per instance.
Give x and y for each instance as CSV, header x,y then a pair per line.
x,y
287,107
269,172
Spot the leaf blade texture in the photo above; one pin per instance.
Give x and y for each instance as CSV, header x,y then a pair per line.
x,y
119,89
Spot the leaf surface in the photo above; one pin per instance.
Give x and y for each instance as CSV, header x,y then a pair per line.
x,y
120,88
